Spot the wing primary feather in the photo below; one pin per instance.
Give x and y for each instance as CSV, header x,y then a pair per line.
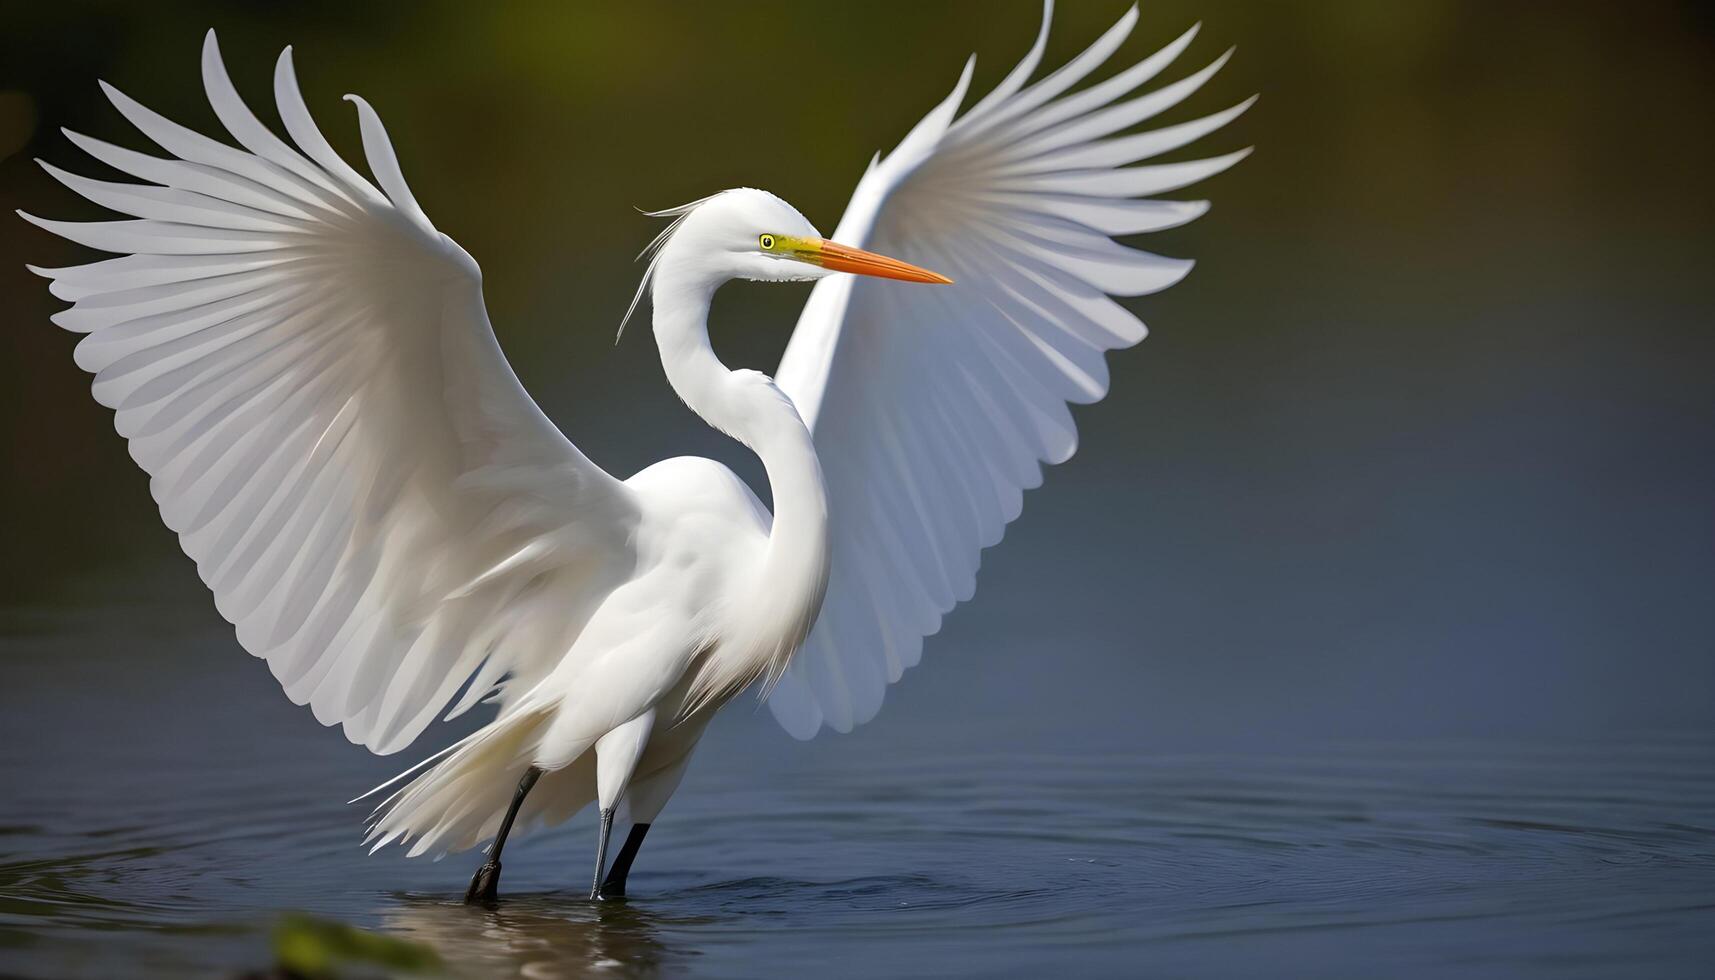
x,y
1020,73
249,131
198,178
385,165
1106,91
1064,77
195,147
1124,150
301,126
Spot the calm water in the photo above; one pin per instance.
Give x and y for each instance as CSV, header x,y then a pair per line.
x,y
163,805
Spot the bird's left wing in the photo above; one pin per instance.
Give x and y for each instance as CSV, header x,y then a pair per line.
x,y
305,368
933,408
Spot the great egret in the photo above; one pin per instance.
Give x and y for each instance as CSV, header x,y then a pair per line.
x,y
304,366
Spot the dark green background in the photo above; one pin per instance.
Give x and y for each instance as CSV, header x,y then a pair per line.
x,y
1423,445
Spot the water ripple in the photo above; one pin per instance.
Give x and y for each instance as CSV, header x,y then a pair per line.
x,y
1516,859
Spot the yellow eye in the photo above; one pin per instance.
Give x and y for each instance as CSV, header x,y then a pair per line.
x,y
766,241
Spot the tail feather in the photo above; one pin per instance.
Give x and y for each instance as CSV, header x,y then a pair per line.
x,y
420,764
458,802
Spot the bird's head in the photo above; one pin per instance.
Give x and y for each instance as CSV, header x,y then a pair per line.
x,y
745,233
751,234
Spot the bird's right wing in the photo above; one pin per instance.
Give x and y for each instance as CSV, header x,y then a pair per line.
x,y
305,368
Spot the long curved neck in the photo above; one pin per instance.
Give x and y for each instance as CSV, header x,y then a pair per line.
x,y
747,406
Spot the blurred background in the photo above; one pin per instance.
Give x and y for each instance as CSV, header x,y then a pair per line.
x,y
1369,632
1422,446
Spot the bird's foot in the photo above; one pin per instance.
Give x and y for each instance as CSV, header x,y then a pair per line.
x,y
484,885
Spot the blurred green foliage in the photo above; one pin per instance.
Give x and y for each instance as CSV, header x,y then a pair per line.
x,y
321,949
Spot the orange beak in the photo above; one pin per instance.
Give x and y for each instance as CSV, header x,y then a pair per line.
x,y
844,258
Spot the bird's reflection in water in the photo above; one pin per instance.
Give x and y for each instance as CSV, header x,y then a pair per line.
x,y
536,936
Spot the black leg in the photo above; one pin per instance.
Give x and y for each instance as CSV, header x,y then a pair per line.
x,y
614,885
485,885
601,852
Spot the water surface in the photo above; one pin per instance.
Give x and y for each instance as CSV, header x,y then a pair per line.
x,y
164,805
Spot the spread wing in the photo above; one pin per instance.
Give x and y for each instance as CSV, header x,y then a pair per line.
x,y
933,408
305,368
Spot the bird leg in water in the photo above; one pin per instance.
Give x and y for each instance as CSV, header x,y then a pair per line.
x,y
485,884
614,885
601,851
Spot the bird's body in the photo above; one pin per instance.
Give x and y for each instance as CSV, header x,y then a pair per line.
x,y
304,365
720,592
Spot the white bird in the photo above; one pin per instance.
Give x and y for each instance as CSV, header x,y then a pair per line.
x,y
304,366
